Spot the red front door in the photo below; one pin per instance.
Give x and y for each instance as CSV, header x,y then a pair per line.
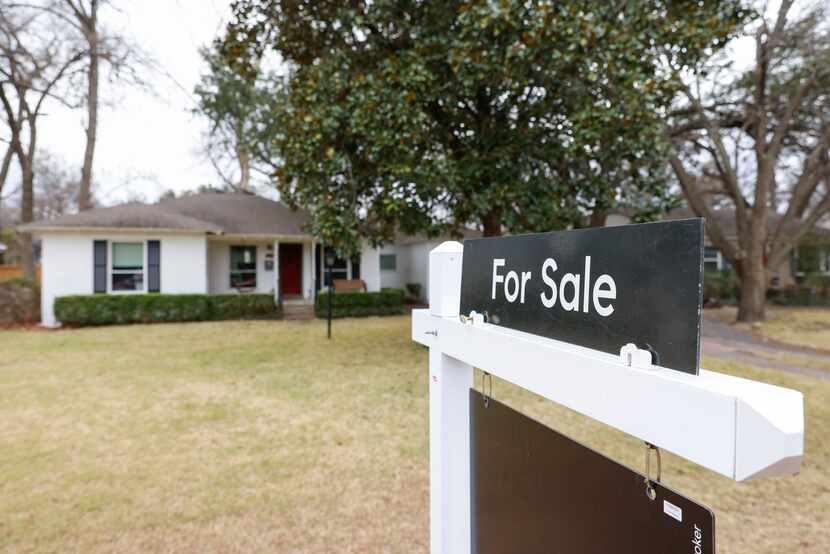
x,y
291,264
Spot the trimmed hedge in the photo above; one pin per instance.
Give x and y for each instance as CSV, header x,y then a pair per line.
x,y
113,309
361,304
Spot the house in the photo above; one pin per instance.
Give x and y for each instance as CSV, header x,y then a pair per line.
x,y
207,243
810,257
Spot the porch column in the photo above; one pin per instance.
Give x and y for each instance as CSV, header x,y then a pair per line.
x,y
277,294
313,269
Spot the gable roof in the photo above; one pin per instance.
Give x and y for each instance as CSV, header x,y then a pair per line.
x,y
240,213
215,213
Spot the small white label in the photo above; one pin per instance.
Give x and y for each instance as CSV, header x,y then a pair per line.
x,y
673,511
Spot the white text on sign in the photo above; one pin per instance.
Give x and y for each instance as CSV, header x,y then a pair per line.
x,y
574,291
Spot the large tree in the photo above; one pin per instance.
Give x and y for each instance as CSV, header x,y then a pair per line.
x,y
103,47
429,116
79,23
35,61
757,141
232,103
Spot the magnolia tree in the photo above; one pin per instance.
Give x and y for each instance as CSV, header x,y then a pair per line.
x,y
432,116
757,141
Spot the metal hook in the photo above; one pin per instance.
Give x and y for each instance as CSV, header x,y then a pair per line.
x,y
651,492
473,318
489,378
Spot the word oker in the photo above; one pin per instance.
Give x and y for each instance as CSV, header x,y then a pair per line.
x,y
573,291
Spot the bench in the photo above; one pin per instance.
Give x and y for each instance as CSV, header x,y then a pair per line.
x,y
349,285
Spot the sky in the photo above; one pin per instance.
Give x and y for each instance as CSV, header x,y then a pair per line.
x,y
148,141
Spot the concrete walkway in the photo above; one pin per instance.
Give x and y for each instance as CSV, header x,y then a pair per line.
x,y
720,340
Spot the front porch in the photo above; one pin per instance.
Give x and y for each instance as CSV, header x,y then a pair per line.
x,y
291,269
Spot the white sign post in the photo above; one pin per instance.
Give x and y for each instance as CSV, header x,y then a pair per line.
x,y
739,428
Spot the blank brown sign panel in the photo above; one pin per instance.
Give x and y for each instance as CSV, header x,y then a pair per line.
x,y
537,491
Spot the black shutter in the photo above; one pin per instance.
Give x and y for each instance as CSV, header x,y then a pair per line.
x,y
99,266
154,266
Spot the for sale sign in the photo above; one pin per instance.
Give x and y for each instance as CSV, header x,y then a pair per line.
x,y
600,288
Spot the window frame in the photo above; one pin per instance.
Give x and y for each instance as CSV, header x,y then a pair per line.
x,y
232,271
717,258
329,275
394,256
823,261
111,271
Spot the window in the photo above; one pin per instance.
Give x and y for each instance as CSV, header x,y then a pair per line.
x,y
810,259
711,259
339,270
127,266
388,262
243,267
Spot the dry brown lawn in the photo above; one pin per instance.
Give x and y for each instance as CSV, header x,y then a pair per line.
x,y
808,327
265,437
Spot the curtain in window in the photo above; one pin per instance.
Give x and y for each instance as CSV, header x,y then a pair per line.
x,y
127,255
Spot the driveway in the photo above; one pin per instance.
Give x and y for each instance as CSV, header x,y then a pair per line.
x,y
724,341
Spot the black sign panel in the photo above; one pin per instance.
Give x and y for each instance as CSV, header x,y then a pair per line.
x,y
536,491
601,288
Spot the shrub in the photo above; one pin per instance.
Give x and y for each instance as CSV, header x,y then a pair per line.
x,y
413,292
799,296
110,309
720,286
19,301
361,304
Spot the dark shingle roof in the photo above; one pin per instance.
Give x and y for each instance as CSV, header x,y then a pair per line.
x,y
219,213
242,214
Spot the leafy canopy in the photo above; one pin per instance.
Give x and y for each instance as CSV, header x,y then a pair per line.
x,y
430,116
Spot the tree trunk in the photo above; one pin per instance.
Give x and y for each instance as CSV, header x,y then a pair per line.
x,y
4,167
598,218
244,158
27,204
491,222
753,273
85,189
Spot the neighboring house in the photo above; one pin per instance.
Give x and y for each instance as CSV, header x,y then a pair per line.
x,y
207,243
810,257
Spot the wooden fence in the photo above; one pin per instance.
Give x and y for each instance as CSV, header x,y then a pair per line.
x,y
14,271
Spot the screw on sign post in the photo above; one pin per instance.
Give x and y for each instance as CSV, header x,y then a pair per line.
x,y
607,323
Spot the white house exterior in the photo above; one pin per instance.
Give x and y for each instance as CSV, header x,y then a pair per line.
x,y
209,243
